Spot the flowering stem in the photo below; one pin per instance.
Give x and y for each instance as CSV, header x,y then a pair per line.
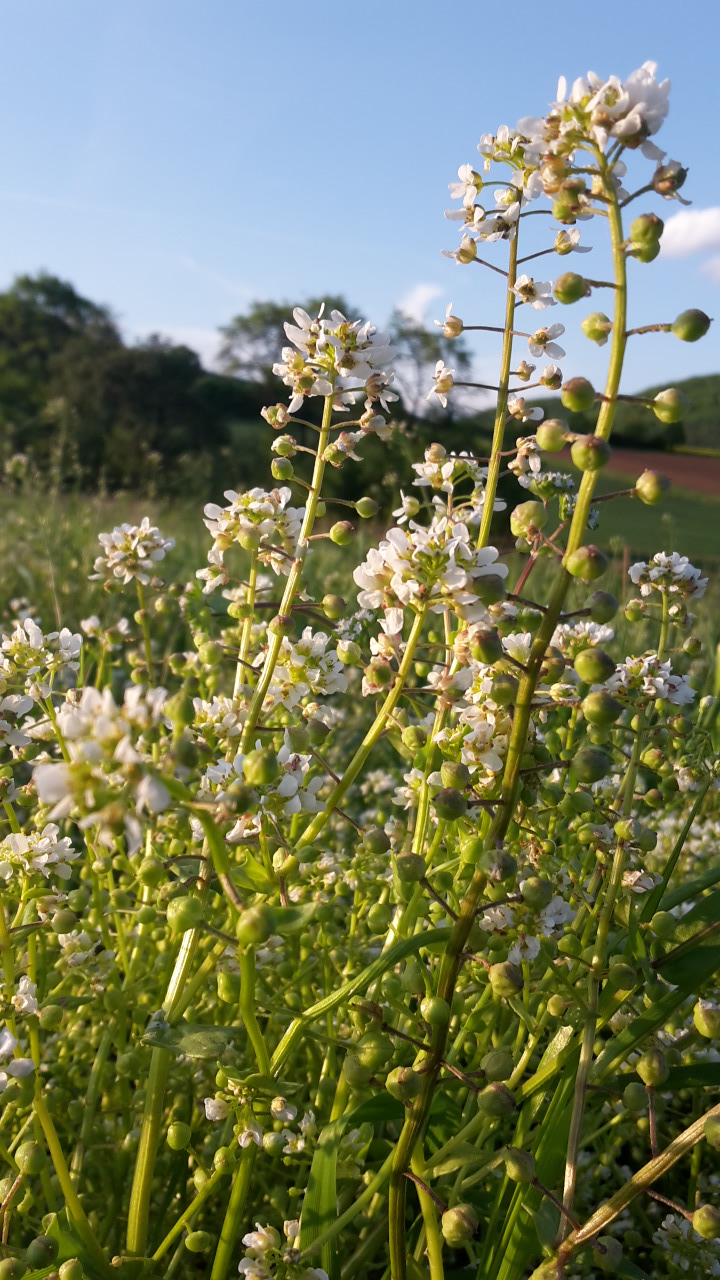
x,y
247,626
372,736
246,959
502,400
234,1214
144,623
74,1207
293,582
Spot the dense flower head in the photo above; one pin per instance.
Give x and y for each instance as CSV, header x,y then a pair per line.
x,y
336,357
131,551
669,573
645,678
258,514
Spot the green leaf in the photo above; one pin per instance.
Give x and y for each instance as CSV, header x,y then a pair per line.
x,y
192,1039
698,1075
252,875
60,1229
293,919
547,1221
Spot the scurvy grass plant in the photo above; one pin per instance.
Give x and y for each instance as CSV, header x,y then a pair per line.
x,y
380,940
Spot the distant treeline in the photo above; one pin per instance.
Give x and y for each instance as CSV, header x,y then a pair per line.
x,y
80,408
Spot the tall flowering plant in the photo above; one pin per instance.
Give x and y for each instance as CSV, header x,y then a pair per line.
x,y
381,938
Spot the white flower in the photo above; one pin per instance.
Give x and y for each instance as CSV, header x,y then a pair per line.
x,y
537,292
281,1110
444,382
541,343
262,1239
216,1109
251,1133
24,998
131,551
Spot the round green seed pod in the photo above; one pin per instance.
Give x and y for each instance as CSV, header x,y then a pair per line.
x,y
459,1224
504,690
450,804
374,1050
12,1268
261,767
410,867
669,406
587,563
342,533
486,646
551,435
404,1084
519,1165
597,327
356,1072
706,1221
570,287
706,1017
711,1131
594,665
651,487
333,607
652,1067
366,508
496,1100
455,774
601,708
591,764
590,453
435,1011
183,913
198,1241
71,1270
577,395
537,892
178,1135
506,978
646,229
497,1065
30,1158
602,605
255,925
691,325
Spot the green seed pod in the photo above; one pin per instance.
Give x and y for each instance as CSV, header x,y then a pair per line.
x,y
646,839
504,690
652,1067
30,1158
651,487
366,508
255,925
198,1241
450,804
50,1017
519,1165
601,708
41,1252
590,453
374,1050
12,1268
342,533
556,1006
644,252
490,588
349,653
602,605
355,1071
597,327
299,737
537,892
375,840
455,774
496,1100
621,976
180,710
551,435
587,563
505,978
410,867
591,764
627,829
594,665
459,1225
435,1011
663,924
260,767
706,1221
63,921
646,229
228,987
178,1135
570,287
281,625
706,1017
634,1096
691,325
404,1084
577,395
472,849
184,913
333,607
379,917
527,519
71,1270
282,469
150,872
498,1065
669,406
486,646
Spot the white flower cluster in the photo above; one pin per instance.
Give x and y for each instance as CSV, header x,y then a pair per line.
x,y
268,1255
253,518
18,1068
131,550
42,851
684,1250
435,566
669,573
293,791
647,678
29,655
632,110
336,357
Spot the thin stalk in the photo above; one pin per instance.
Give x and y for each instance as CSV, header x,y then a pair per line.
x,y
74,1207
145,627
234,1216
247,1009
502,400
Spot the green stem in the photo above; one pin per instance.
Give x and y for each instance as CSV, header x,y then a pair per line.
x,y
74,1207
373,734
502,400
247,1009
147,641
234,1215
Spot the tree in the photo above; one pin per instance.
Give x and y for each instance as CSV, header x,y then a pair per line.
x,y
252,342
418,351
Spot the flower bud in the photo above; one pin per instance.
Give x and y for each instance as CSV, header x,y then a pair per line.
x,y
706,1221
519,1165
651,486
668,178
587,563
342,533
553,172
527,519
349,653
590,453
669,406
594,665
551,435
282,469
652,1067
452,327
285,446
366,508
646,229
505,978
602,605
570,287
597,327
706,1017
403,1084
459,1224
496,1099
591,764
255,925
577,395
450,804
455,774
691,325
466,253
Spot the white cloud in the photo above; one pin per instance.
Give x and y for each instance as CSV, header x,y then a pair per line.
x,y
711,268
691,231
418,299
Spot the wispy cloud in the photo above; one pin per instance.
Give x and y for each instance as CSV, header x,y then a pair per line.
x,y
691,231
416,302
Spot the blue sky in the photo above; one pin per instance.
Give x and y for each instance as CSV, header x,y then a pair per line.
x,y
176,158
